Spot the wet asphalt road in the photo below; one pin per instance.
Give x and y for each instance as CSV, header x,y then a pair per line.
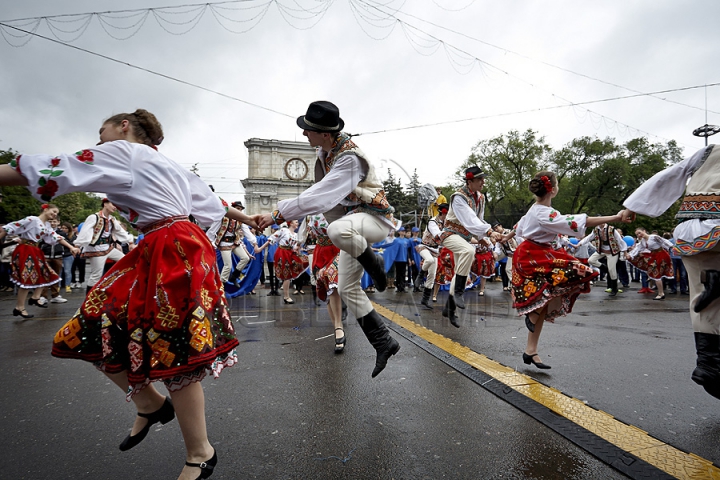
x,y
292,408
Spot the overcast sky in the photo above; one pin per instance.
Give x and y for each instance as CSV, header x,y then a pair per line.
x,y
54,98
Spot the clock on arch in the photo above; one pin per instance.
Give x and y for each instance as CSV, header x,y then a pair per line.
x,y
296,169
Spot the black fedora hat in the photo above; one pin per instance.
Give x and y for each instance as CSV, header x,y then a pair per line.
x,y
473,172
321,116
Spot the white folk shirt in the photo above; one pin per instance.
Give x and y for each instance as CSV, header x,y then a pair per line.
x,y
321,197
33,229
542,224
284,238
86,234
605,247
653,242
658,194
145,185
474,223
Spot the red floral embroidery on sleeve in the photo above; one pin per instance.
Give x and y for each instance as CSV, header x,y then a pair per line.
x,y
47,189
85,156
55,162
553,214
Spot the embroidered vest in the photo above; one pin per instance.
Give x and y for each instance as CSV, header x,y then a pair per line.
x,y
428,238
611,240
102,225
702,195
452,223
369,193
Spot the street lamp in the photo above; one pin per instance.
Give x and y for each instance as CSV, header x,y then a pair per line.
x,y
706,131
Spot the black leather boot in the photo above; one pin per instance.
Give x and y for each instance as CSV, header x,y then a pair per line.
x,y
711,280
449,311
707,372
375,267
374,328
234,275
460,281
344,311
87,290
613,285
426,298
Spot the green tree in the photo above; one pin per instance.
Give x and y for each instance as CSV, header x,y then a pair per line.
x,y
510,161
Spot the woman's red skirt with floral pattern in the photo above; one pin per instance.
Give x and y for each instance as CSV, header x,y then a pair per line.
x,y
30,269
160,313
288,264
657,264
541,274
484,265
325,268
445,267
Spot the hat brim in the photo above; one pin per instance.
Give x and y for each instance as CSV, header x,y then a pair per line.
x,y
318,128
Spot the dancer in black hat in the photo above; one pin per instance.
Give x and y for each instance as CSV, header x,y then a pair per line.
x,y
352,198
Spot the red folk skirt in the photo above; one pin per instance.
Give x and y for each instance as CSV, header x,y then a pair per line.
x,y
657,264
445,267
30,269
543,276
160,313
484,265
288,264
325,269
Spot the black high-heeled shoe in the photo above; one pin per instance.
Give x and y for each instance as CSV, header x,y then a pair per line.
x,y
529,324
206,468
340,342
37,303
20,313
288,300
528,359
163,415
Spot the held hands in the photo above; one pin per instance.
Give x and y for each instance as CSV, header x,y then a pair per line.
x,y
626,216
74,250
496,236
263,220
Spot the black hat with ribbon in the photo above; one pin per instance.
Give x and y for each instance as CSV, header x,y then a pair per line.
x,y
473,172
323,117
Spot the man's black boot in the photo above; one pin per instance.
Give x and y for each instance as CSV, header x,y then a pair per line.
x,y
375,267
374,328
711,280
418,282
707,372
613,285
449,311
426,298
460,281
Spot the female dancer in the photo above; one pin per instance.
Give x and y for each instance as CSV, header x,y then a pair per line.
x,y
160,312
288,263
30,269
325,269
650,256
546,282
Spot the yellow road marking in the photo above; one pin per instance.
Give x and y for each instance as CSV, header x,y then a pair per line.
x,y
627,437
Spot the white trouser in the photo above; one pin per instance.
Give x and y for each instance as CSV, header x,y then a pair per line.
x,y
612,260
97,264
352,234
429,266
707,321
226,255
463,255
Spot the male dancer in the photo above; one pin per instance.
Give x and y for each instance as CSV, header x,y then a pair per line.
x,y
97,238
696,239
352,198
609,244
429,251
464,219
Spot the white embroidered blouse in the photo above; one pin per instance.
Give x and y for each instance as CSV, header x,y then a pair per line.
x,y
145,185
33,229
542,224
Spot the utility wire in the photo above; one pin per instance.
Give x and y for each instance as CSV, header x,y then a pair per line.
x,y
168,77
567,70
539,109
